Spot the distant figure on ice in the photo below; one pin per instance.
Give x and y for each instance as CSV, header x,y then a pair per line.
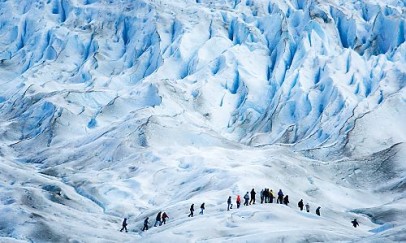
x,y
266,195
145,224
262,195
271,196
300,204
229,205
124,225
252,196
158,219
238,201
286,200
307,207
355,223
280,197
202,209
318,211
246,198
192,209
164,217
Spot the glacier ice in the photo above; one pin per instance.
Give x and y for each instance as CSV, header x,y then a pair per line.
x,y
107,90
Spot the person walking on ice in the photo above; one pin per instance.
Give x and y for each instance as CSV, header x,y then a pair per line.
x,y
164,217
202,209
271,196
145,224
355,223
124,224
307,207
318,211
286,200
229,205
280,197
300,204
252,196
192,209
238,201
158,219
246,199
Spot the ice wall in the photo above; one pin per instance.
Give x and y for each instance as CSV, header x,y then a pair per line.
x,y
258,72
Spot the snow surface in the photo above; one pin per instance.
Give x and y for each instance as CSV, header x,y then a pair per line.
x,y
113,109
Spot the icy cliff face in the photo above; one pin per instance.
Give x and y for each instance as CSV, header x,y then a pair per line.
x,y
89,84
296,72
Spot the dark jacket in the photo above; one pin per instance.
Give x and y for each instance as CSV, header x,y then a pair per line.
x,y
253,193
158,216
202,206
286,200
125,222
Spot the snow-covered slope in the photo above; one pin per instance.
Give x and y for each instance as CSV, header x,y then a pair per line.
x,y
122,108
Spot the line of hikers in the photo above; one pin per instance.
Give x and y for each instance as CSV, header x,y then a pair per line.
x,y
159,220
266,196
307,206
192,209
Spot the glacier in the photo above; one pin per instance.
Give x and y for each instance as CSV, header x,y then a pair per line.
x,y
122,108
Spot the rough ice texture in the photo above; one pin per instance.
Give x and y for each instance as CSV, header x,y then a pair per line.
x,y
104,103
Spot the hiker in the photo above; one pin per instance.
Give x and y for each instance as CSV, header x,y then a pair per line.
x,y
262,196
246,198
266,195
280,197
355,223
164,217
192,209
271,197
300,204
158,219
229,205
307,207
201,209
124,225
318,211
238,201
286,200
252,201
145,224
